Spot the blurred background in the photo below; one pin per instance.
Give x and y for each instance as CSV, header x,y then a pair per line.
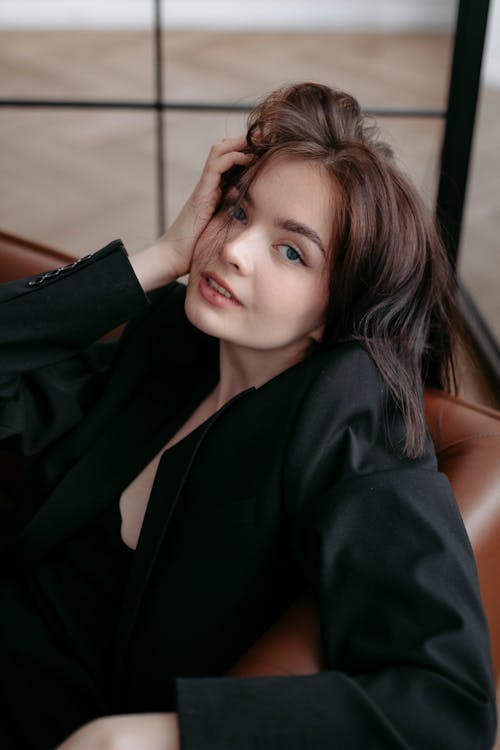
x,y
76,177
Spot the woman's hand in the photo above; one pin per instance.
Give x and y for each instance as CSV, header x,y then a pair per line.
x,y
170,256
129,732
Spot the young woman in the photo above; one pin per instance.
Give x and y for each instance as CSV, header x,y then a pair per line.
x,y
255,434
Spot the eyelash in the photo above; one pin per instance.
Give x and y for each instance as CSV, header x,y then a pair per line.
x,y
297,260
233,212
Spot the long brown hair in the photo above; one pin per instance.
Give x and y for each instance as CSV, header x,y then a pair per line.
x,y
391,286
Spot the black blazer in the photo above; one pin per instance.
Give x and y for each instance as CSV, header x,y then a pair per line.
x,y
299,482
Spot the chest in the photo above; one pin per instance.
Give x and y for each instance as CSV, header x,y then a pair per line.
x,y
230,458
135,497
215,527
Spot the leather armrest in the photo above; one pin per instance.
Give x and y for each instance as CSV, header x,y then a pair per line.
x,y
20,257
291,646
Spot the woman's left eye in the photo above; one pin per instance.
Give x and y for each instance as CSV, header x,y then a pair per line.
x,y
290,254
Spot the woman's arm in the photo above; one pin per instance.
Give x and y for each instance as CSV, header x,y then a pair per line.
x,y
403,634
381,544
51,371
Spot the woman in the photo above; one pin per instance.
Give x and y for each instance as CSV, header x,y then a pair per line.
x,y
258,433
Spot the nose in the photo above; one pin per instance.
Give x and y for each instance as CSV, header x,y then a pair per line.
x,y
238,249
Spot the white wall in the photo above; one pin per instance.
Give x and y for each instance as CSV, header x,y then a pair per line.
x,y
374,15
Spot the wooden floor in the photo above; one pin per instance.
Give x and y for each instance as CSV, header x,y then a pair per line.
x,y
76,179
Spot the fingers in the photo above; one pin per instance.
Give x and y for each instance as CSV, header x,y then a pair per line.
x,y
228,152
217,165
230,143
223,155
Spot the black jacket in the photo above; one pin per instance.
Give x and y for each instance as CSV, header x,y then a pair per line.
x,y
300,481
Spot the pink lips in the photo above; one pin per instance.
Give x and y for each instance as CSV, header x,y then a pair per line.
x,y
215,297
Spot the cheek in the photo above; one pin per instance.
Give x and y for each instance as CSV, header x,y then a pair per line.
x,y
315,303
307,292
294,303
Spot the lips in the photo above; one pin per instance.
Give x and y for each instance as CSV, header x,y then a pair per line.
x,y
220,286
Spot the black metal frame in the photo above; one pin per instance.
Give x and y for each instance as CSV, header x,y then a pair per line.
x,y
456,148
460,118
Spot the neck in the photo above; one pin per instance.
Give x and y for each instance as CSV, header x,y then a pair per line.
x,y
241,368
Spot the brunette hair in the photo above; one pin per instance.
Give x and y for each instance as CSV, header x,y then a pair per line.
x,y
391,285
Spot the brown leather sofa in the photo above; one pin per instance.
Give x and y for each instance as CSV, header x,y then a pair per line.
x,y
467,440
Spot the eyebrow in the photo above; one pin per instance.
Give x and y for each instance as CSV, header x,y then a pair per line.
x,y
290,225
298,228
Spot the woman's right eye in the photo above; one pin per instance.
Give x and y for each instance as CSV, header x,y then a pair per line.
x,y
237,213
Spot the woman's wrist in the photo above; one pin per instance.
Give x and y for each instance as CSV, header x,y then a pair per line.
x,y
155,265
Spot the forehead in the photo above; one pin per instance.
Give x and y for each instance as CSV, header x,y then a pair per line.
x,y
297,189
283,167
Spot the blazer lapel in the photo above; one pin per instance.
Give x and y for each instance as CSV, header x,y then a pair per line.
x,y
136,433
172,473
174,469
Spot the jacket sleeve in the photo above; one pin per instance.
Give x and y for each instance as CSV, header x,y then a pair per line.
x,y
382,545
50,368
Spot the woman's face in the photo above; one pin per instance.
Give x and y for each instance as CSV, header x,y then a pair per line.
x,y
262,281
